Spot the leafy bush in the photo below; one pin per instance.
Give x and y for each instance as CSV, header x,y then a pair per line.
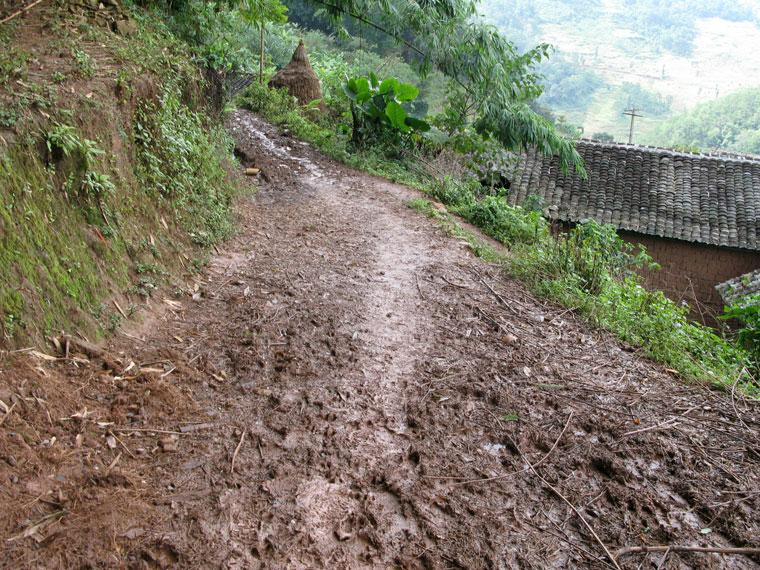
x,y
592,270
453,193
180,158
747,312
595,254
508,224
378,112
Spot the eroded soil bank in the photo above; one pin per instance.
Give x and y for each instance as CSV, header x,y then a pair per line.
x,y
348,387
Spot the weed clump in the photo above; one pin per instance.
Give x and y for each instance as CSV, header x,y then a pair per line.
x,y
180,162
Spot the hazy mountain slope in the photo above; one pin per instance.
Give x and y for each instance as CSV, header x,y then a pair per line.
x,y
668,49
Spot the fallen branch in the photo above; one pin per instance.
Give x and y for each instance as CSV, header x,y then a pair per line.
x,y
499,297
580,516
672,422
237,450
19,12
676,548
149,430
118,308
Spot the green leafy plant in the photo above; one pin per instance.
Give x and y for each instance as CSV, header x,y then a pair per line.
x,y
181,162
65,141
378,112
97,185
596,254
13,64
84,62
508,224
747,312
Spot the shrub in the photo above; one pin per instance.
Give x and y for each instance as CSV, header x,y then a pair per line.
x,y
591,269
378,112
508,224
747,312
181,159
453,193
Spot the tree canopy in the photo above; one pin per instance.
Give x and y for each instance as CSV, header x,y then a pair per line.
x,y
497,80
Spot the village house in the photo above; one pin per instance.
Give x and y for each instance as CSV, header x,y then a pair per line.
x,y
698,215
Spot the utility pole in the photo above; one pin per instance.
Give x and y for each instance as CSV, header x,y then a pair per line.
x,y
631,113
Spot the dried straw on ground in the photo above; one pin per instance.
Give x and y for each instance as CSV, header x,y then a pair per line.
x,y
299,78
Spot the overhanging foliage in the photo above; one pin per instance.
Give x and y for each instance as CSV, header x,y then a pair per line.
x,y
497,80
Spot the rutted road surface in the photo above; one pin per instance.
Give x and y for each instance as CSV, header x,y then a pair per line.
x,y
356,390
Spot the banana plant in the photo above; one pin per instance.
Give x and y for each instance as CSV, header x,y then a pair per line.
x,y
377,108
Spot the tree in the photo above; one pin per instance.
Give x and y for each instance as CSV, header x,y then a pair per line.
x,y
260,13
496,81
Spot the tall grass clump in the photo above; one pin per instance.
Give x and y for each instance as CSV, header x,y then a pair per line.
x,y
181,162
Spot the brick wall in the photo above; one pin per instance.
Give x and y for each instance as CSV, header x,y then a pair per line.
x,y
690,271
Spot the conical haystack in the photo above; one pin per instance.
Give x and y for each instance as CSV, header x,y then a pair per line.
x,y
299,78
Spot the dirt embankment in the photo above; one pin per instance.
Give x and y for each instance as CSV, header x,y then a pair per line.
x,y
111,178
351,388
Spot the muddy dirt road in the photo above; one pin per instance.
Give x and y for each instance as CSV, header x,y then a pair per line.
x,y
351,388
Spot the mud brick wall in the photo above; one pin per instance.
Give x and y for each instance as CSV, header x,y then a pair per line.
x,y
690,271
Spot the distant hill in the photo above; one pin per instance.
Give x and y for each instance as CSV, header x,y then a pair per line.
x,y
730,122
663,57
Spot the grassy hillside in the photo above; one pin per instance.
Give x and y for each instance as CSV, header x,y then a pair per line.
x,y
112,177
731,122
672,51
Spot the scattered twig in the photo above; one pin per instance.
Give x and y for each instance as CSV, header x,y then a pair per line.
x,y
124,445
165,374
667,423
499,297
133,337
150,430
237,450
676,548
455,284
39,524
113,463
7,413
539,462
195,427
19,12
578,513
118,308
664,557
733,399
419,290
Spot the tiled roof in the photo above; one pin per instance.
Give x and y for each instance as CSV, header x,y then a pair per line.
x,y
712,199
738,287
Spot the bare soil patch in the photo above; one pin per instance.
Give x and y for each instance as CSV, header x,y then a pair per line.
x,y
351,388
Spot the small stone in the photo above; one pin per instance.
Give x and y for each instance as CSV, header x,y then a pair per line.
x,y
509,339
168,443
